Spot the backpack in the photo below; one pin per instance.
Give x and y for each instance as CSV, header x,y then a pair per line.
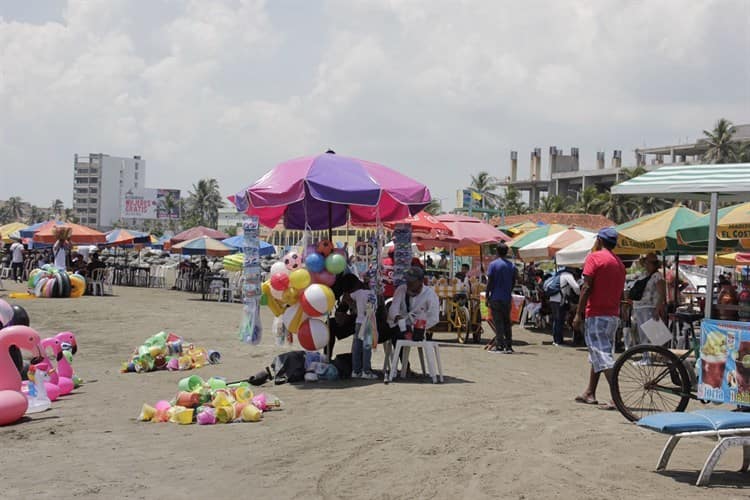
x,y
551,285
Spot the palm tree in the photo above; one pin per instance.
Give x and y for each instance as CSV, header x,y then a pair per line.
x,y
721,147
513,203
14,207
630,173
69,215
553,203
167,205
435,207
617,208
35,215
588,202
57,208
485,185
205,201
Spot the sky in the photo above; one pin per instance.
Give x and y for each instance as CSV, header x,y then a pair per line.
x,y
437,89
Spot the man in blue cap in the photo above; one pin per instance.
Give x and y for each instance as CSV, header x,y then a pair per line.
x,y
601,293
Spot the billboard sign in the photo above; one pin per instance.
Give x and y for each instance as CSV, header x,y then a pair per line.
x,y
150,203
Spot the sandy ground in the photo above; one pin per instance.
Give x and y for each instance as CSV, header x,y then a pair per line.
x,y
499,427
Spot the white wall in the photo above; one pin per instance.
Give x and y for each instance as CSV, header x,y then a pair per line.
x,y
117,176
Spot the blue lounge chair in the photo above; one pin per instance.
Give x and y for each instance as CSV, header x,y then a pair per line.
x,y
729,428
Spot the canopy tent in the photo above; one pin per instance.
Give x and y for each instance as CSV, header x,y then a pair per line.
x,y
655,232
547,247
534,235
698,182
425,224
238,243
196,232
29,231
202,245
575,254
732,224
79,234
7,230
465,231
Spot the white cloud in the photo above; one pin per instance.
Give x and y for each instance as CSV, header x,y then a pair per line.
x,y
438,88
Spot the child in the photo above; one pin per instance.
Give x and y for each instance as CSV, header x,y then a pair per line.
x,y
363,299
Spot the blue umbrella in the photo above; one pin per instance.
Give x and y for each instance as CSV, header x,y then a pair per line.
x,y
238,242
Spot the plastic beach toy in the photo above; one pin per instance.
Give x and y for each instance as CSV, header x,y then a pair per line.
x,y
190,384
13,403
37,392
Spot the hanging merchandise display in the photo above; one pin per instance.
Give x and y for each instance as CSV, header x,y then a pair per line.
x,y
250,327
402,255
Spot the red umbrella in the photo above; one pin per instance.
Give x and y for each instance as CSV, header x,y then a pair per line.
x,y
466,231
197,232
424,224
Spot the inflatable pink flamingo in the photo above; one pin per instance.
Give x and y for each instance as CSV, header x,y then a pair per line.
x,y
51,344
64,368
13,403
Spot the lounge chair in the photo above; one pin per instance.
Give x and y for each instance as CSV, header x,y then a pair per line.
x,y
729,428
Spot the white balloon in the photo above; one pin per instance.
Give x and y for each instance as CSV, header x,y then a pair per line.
x,y
279,267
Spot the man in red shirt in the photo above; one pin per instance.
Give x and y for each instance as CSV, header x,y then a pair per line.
x,y
603,284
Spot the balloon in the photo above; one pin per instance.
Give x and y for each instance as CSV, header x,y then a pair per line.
x,y
325,247
317,300
313,335
292,261
323,278
279,267
6,313
299,279
293,317
20,316
315,262
280,281
290,296
335,263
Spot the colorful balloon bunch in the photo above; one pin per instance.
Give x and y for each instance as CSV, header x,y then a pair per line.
x,y
167,351
50,281
210,402
299,291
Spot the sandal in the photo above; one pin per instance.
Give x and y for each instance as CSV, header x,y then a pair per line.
x,y
607,407
586,401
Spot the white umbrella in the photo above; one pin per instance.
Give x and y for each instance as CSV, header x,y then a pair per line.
x,y
547,247
575,254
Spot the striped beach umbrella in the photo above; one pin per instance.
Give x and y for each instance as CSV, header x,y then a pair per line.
x,y
547,247
126,237
733,224
202,245
238,243
656,232
537,234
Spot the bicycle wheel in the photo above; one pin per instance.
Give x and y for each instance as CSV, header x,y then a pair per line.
x,y
461,323
649,379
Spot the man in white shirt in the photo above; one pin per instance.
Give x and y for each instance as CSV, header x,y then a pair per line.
x,y
16,262
415,303
559,304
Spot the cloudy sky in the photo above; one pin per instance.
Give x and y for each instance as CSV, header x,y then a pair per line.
x,y
438,89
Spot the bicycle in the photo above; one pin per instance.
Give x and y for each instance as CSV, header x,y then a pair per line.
x,y
650,379
457,315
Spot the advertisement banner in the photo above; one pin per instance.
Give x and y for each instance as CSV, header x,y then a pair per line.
x,y
150,203
724,362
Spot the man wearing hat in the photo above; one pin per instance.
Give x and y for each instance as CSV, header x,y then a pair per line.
x,y
601,293
413,302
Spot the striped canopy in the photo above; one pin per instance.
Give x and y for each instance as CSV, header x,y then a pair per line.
x,y
693,182
202,245
10,228
733,224
547,247
532,236
655,232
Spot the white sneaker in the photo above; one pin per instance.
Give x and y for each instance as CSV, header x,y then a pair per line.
x,y
356,375
369,376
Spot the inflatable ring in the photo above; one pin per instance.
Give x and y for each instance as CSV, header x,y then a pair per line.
x,y
40,286
49,288
34,277
77,285
64,285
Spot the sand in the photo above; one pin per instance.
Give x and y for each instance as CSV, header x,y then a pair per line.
x,y
499,427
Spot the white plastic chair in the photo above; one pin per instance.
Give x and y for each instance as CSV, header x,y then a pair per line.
x,y
96,283
233,286
431,352
158,277
109,277
5,273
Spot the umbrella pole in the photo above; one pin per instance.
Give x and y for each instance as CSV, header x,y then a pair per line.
x,y
713,218
330,223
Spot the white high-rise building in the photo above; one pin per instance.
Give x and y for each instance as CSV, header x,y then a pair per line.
x,y
99,182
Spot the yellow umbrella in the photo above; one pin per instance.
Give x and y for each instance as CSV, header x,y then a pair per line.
x,y
655,232
8,229
727,259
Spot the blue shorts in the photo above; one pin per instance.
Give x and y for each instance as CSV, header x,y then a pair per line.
x,y
600,334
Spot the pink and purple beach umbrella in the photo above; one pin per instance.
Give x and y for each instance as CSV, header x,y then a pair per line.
x,y
319,192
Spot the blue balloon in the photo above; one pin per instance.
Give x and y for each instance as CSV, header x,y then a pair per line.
x,y
315,262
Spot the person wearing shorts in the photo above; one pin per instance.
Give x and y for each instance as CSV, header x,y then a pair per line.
x,y
601,293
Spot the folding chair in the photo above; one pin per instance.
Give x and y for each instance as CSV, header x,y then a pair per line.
x,y
728,427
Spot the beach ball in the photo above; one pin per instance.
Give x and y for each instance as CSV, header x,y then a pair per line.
x,y
315,262
313,335
6,313
279,267
317,300
293,317
292,261
335,263
323,278
280,281
325,247
300,279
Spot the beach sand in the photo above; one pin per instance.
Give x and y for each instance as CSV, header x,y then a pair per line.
x,y
499,427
